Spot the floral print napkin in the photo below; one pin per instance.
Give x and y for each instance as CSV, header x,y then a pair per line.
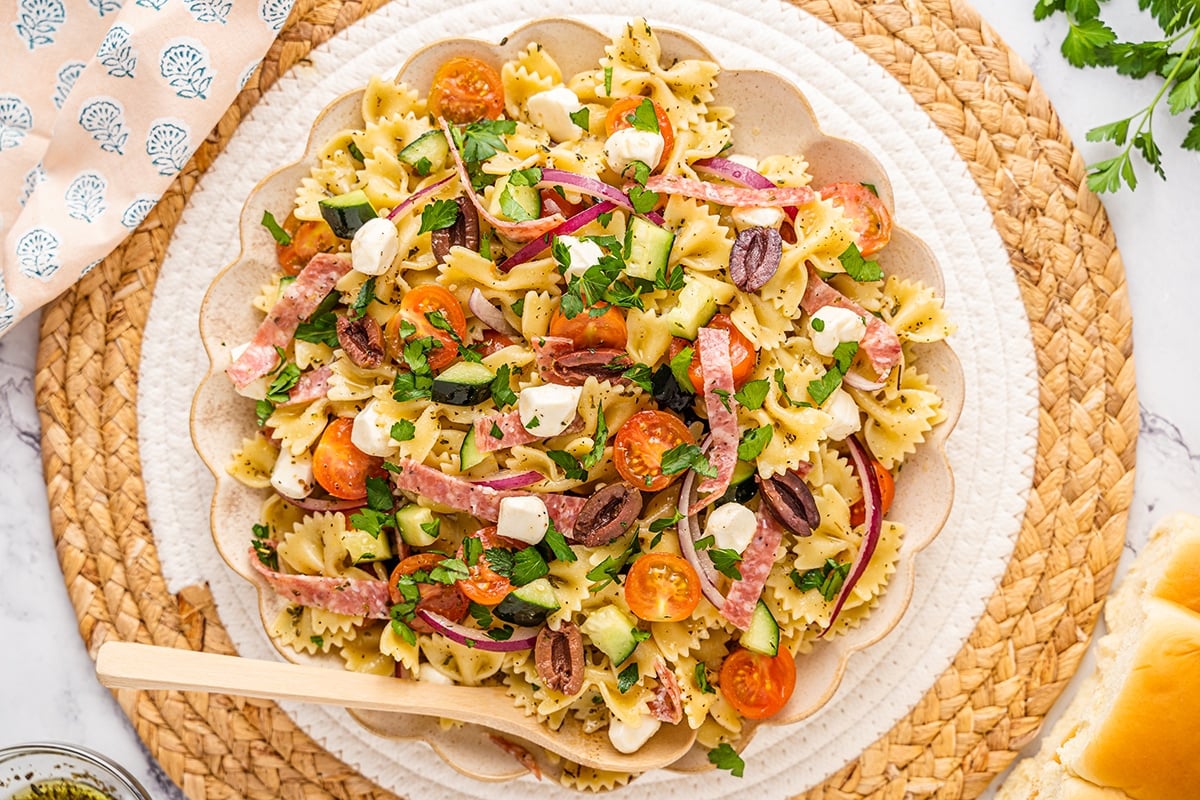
x,y
102,102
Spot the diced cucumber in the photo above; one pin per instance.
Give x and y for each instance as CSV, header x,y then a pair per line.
x,y
415,523
514,201
427,153
529,604
469,455
649,248
763,634
611,631
347,212
695,306
742,486
362,546
463,384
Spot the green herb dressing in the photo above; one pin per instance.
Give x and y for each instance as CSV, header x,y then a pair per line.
x,y
60,790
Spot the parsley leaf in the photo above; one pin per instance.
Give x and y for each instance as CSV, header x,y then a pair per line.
x,y
263,409
859,268
321,325
501,634
673,281
449,571
608,73
528,566
281,237
557,543
438,215
570,465
512,208
502,393
663,523
284,381
679,368
725,757
403,430
687,456
366,294
518,307
627,678
817,324
701,673
599,439
265,552
481,614
752,394
641,172
643,117
581,118
753,442
820,389
472,550
481,140
826,579
726,560
500,561
379,494
642,199
639,374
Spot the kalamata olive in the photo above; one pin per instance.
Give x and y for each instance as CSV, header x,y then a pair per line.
x,y
559,658
362,339
755,258
601,363
607,514
789,499
463,233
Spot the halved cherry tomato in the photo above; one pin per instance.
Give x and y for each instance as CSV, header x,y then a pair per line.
x,y
741,353
640,444
662,587
340,467
429,298
870,217
485,585
619,118
758,686
440,598
586,331
466,90
492,342
308,239
555,203
887,493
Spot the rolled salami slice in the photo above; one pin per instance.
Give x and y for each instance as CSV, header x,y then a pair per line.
x,y
755,566
512,432
722,445
351,596
732,196
312,386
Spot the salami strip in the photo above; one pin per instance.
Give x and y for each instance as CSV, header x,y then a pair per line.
x,y
300,299
311,386
717,368
880,342
666,705
351,596
512,432
733,196
755,566
517,231
479,501
560,362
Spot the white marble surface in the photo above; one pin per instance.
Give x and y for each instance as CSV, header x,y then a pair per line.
x,y
49,689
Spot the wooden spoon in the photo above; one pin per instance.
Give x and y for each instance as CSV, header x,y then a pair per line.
x,y
128,665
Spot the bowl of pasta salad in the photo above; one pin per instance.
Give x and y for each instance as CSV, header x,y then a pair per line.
x,y
581,368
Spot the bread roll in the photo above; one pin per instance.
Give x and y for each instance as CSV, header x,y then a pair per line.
x,y
1132,732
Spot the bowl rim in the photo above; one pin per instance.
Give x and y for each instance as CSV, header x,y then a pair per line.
x,y
93,758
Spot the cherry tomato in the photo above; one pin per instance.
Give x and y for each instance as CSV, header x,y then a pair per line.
x,y
554,203
466,90
485,585
493,342
586,331
662,587
622,110
640,444
340,467
429,298
741,353
308,239
439,598
887,493
758,686
870,217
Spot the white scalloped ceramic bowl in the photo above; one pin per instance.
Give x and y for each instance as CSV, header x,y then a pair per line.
x,y
772,116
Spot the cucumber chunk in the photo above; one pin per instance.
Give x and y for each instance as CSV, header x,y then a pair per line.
x,y
649,248
364,547
427,153
469,455
463,384
742,486
763,634
696,305
611,631
348,212
410,520
514,201
529,604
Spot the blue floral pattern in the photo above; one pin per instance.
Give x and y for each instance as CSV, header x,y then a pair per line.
x,y
105,6
157,5
32,179
275,12
210,10
85,196
187,69
104,119
38,21
246,73
8,307
167,146
137,211
37,254
16,120
116,53
68,73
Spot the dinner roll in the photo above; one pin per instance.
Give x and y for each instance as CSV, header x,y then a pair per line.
x,y
1132,732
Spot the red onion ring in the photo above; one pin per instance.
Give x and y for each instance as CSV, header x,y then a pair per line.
x,y
428,190
688,529
316,504
739,174
873,512
521,639
507,481
589,186
856,381
542,243
488,314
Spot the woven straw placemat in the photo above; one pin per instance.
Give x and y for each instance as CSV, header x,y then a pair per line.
x,y
984,708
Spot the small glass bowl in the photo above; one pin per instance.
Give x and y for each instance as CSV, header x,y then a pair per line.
x,y
25,765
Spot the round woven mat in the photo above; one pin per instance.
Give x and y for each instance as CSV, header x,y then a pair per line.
x,y
978,714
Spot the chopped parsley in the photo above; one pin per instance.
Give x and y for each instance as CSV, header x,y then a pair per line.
x,y
753,394
817,324
472,550
521,567
660,525
599,439
858,267
366,294
826,579
643,117
820,389
726,560
581,118
608,73
642,199
753,442
701,673
321,325
557,544
572,469
502,393
627,678
687,456
679,368
403,430
639,375
438,215
281,237
518,307
725,757
261,536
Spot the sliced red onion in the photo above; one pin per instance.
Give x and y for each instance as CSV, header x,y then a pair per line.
x,y
504,482
489,315
316,504
872,512
540,244
688,529
521,639
856,381
589,186
428,190
739,174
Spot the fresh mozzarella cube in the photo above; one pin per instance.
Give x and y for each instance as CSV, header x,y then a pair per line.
x,y
548,410
745,161
523,518
552,110
256,389
374,247
372,431
583,255
430,674
732,526
829,326
292,475
844,410
756,217
630,738
629,145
